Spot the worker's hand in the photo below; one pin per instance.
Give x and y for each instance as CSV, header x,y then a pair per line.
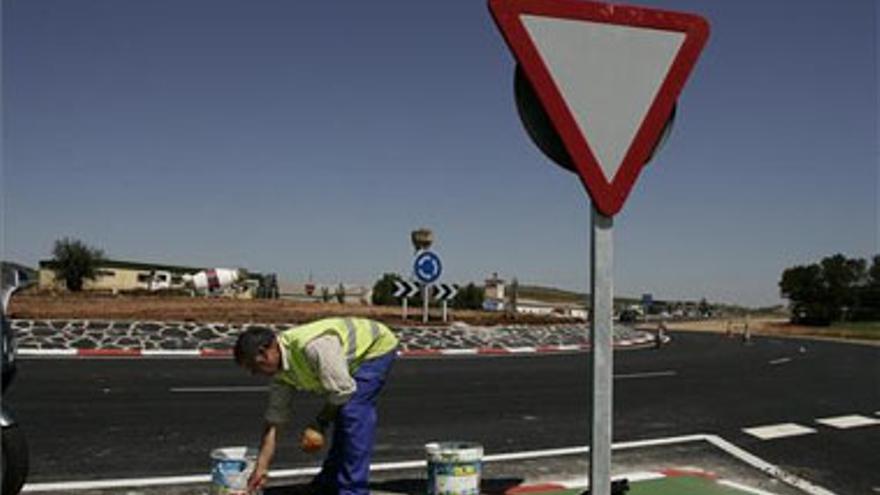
x,y
311,440
258,478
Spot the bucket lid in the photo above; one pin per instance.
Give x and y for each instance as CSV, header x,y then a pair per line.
x,y
455,451
234,454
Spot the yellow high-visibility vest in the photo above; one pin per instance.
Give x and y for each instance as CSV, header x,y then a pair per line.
x,y
361,339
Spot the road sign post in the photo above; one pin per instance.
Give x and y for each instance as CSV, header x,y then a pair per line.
x,y
426,291
404,290
597,92
444,293
427,269
602,355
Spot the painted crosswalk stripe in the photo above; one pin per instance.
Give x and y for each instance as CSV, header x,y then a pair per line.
x,y
782,430
849,421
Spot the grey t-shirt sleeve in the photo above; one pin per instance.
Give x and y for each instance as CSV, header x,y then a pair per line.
x,y
279,410
327,357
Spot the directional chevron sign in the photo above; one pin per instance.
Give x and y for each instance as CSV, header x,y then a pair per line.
x,y
608,77
404,289
445,292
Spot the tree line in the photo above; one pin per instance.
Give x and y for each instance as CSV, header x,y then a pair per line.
x,y
835,289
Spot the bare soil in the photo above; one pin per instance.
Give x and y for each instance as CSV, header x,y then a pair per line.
x,y
86,306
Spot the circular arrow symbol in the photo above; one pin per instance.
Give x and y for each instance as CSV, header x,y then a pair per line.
x,y
427,267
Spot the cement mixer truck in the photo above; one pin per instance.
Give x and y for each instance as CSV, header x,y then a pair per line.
x,y
213,280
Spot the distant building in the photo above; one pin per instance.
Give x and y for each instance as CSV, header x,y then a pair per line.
x,y
562,309
315,292
121,276
8,271
494,288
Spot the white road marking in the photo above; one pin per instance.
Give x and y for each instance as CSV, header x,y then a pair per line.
x,y
780,361
459,352
717,441
647,374
46,352
568,347
768,468
197,390
170,352
770,432
849,421
521,350
66,486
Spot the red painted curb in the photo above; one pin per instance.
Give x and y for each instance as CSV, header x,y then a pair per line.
x,y
421,352
215,352
546,487
551,348
108,352
492,350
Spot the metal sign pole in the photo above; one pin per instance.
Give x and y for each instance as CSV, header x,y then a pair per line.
x,y
404,308
444,311
602,355
425,292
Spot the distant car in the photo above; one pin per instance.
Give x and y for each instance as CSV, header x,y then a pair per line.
x,y
15,451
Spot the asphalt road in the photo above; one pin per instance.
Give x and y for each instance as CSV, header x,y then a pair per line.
x,y
92,419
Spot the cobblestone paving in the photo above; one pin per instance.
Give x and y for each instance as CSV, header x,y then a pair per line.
x,y
154,335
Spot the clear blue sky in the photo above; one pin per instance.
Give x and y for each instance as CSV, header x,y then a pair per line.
x,y
302,137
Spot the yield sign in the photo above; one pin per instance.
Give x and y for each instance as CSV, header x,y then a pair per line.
x,y
608,77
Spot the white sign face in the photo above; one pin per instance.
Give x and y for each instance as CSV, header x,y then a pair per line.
x,y
609,76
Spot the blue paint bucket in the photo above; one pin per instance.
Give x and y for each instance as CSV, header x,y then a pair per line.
x,y
230,469
454,468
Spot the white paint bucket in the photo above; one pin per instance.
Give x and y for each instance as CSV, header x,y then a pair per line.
x,y
454,468
230,469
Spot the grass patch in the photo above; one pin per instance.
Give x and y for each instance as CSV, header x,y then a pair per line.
x,y
858,330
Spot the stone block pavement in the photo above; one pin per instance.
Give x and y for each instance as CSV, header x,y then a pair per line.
x,y
156,338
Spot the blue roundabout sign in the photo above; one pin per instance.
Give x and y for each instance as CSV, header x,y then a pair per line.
x,y
427,267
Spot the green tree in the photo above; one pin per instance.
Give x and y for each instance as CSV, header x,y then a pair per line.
x,y
74,262
868,299
704,307
469,297
340,294
874,272
383,290
842,277
822,292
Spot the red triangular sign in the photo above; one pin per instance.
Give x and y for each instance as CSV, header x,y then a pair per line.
x,y
608,77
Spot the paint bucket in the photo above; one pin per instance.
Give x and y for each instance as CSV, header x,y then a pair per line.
x,y
454,468
230,469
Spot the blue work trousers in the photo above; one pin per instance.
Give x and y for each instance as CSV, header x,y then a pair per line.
x,y
346,469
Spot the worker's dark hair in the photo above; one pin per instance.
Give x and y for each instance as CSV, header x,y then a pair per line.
x,y
250,343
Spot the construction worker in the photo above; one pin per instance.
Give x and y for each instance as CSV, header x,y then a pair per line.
x,y
747,334
660,336
347,360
